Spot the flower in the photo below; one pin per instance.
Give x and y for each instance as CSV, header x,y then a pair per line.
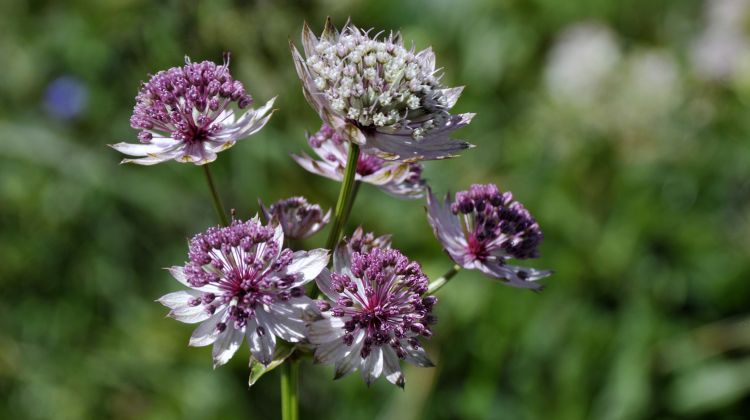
x,y
495,228
380,95
243,283
400,179
374,316
297,217
359,242
185,114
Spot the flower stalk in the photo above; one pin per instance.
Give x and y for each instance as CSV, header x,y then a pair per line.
x,y
215,195
290,390
346,198
442,281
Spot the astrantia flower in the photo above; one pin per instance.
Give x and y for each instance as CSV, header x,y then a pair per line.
x,y
186,114
400,179
297,217
380,95
361,242
484,228
243,283
376,313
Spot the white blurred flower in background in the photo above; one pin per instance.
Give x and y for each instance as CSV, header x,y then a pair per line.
x,y
580,62
722,49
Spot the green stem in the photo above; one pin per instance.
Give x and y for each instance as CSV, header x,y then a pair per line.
x,y
290,390
350,202
217,201
346,197
438,283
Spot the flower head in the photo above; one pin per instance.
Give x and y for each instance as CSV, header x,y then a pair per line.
x,y
297,217
400,179
379,94
374,316
361,242
243,283
483,228
186,114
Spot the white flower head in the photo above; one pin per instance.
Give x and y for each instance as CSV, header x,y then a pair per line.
x,y
242,284
379,94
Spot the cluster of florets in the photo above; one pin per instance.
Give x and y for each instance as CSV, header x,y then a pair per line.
x,y
384,299
236,259
185,101
244,284
495,221
298,218
377,82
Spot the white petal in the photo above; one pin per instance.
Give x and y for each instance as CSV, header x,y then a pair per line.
x,y
206,333
150,160
447,227
308,264
227,344
324,284
179,299
285,321
418,356
144,149
262,346
353,359
392,368
372,366
178,272
451,95
331,352
318,167
248,124
325,330
510,274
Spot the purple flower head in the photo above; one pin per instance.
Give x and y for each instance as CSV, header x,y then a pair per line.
x,y
483,228
186,114
297,217
378,94
400,179
243,283
374,316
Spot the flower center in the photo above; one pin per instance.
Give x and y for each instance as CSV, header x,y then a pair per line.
x,y
477,248
368,164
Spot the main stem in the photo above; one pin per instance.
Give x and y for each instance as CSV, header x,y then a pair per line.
x,y
346,197
214,193
442,281
290,390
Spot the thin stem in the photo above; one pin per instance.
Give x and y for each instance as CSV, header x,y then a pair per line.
x,y
290,390
440,282
346,199
217,201
350,202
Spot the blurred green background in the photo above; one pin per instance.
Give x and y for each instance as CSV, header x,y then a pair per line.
x,y
623,126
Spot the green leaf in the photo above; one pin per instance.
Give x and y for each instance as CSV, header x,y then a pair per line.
x,y
257,369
